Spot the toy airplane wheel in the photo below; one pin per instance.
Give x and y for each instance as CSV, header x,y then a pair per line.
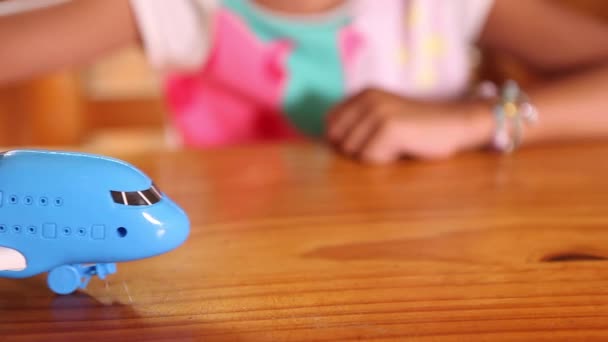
x,y
64,279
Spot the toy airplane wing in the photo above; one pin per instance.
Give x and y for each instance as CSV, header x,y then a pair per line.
x,y
11,260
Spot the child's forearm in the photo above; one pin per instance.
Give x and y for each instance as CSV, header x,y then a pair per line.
x,y
572,108
556,41
69,34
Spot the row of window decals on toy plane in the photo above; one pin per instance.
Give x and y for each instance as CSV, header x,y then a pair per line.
x,y
13,260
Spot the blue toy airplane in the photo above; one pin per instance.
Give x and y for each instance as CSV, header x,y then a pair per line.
x,y
75,215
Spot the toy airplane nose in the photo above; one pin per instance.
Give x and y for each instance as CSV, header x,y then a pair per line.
x,y
172,226
177,230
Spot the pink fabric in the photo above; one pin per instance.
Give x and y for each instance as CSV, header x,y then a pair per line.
x,y
351,43
236,97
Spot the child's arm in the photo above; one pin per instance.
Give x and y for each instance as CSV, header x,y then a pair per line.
x,y
571,47
381,127
546,35
68,34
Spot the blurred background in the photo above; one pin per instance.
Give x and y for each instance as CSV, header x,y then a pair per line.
x,y
116,103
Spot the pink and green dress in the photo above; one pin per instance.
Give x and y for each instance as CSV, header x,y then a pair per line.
x,y
235,72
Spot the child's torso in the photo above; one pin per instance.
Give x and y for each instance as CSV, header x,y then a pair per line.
x,y
277,75
313,66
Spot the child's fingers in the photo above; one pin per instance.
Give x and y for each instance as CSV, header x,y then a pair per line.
x,y
343,120
361,132
338,110
330,118
380,149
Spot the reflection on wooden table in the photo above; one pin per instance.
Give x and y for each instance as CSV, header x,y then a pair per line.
x,y
291,243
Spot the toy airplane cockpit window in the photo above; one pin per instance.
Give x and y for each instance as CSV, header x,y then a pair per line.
x,y
46,226
137,198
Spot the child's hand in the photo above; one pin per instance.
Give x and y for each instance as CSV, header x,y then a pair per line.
x,y
381,127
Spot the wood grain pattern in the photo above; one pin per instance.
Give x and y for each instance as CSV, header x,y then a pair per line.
x,y
291,243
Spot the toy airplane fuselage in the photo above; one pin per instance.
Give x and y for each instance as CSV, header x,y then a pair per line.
x,y
61,211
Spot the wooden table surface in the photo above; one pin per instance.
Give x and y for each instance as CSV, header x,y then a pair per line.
x,y
292,243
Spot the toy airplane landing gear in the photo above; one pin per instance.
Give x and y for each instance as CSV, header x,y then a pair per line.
x,y
68,278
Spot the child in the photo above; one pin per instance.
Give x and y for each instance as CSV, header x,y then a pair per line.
x,y
379,79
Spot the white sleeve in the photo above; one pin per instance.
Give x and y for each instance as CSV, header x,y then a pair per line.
x,y
475,15
176,34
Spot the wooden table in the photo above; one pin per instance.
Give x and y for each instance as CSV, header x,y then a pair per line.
x,y
291,243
